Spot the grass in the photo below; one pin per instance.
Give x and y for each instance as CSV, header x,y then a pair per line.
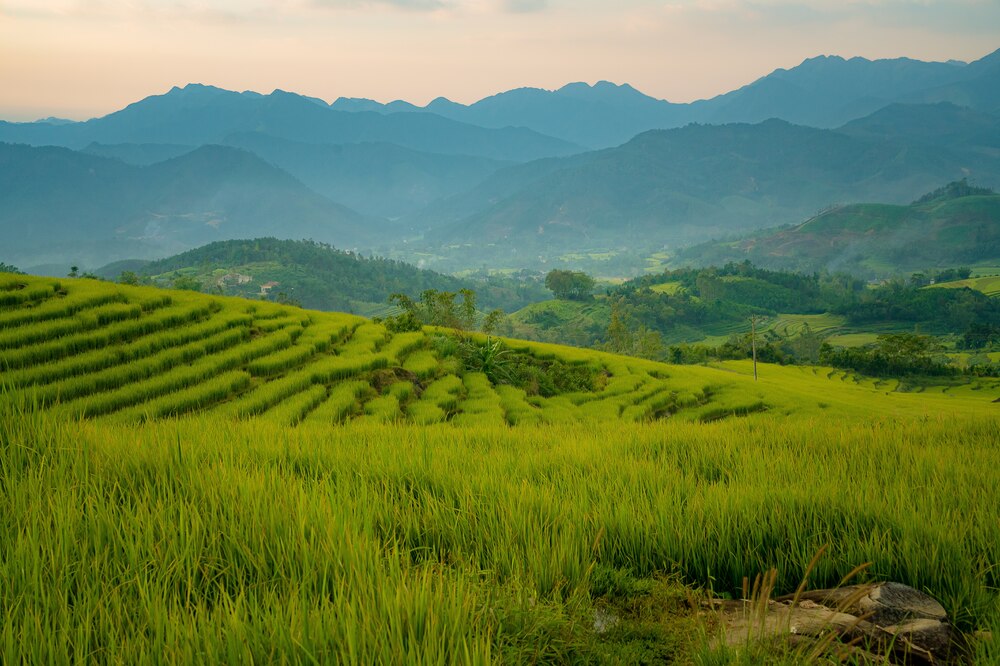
x,y
370,502
205,539
989,285
853,339
669,288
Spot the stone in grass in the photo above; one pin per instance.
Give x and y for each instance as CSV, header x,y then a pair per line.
x,y
895,623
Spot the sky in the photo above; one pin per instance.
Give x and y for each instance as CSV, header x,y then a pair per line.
x,y
84,58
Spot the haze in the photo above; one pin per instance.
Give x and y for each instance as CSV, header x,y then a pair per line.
x,y
84,58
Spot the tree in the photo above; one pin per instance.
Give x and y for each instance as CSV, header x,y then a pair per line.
x,y
8,268
128,277
74,271
618,338
569,285
438,308
468,318
187,283
283,298
494,321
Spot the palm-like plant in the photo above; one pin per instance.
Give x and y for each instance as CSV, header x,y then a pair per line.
x,y
491,358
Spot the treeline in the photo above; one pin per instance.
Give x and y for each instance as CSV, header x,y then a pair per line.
x,y
652,315
954,190
714,297
702,301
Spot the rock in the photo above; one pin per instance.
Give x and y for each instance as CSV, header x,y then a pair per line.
x,y
604,620
891,603
877,623
932,636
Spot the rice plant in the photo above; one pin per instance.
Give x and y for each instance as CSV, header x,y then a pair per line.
x,y
423,364
341,403
293,409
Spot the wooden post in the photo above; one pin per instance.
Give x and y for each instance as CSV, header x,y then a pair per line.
x,y
754,320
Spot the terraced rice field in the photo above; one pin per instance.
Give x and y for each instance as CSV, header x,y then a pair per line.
x,y
669,288
989,285
89,349
791,325
332,492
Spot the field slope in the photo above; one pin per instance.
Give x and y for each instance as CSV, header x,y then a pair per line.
x,y
85,349
445,518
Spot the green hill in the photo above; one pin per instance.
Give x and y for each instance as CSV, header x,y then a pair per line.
x,y
333,492
873,240
319,276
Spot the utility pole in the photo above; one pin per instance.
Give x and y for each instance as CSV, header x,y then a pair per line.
x,y
754,320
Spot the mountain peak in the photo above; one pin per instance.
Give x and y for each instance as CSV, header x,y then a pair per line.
x,y
194,89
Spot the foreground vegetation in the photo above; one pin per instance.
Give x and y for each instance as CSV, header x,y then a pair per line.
x,y
464,511
213,540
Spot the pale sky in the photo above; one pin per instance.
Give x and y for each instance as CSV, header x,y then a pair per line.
x,y
85,58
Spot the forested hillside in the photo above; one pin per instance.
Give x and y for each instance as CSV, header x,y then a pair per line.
x,y
320,276
958,224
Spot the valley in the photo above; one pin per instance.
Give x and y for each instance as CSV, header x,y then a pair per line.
x,y
565,374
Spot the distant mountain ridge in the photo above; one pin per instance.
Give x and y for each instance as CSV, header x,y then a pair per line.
x,y
823,92
530,123
58,205
683,186
199,114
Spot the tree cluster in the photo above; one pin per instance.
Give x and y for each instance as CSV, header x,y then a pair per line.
x,y
570,285
441,308
893,355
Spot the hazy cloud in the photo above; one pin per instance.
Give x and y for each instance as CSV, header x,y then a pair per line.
x,y
415,5
525,6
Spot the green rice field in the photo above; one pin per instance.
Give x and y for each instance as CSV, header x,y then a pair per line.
x,y
194,479
989,285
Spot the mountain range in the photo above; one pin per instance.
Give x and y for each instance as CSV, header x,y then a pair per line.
x,y
667,188
61,206
507,180
824,92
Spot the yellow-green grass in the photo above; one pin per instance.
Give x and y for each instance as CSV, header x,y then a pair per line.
x,y
217,541
657,263
306,515
808,390
669,288
989,285
853,339
967,359
791,325
592,256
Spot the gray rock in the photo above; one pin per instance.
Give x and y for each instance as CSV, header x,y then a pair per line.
x,y
883,622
